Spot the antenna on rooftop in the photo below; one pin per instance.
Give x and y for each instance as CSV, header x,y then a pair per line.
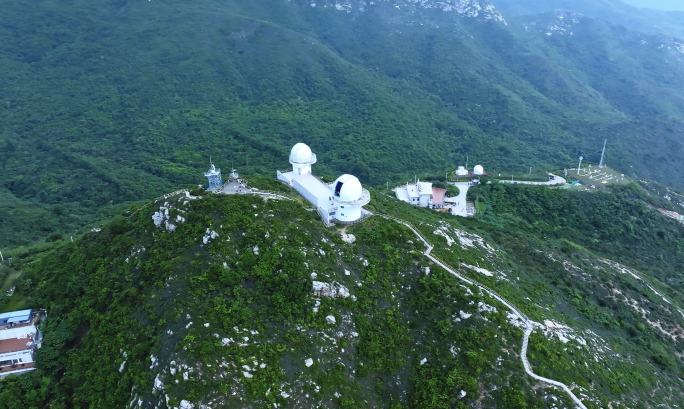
x,y
601,165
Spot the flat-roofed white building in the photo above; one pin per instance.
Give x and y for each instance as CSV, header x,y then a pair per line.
x,y
342,200
421,194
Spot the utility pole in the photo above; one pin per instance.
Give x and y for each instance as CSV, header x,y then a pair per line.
x,y
466,161
601,165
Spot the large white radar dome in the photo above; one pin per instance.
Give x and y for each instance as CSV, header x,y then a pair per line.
x,y
300,153
478,170
347,188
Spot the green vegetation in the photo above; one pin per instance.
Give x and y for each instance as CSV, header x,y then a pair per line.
x,y
147,301
107,104
555,255
112,102
134,291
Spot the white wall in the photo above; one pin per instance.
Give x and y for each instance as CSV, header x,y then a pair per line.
x,y
346,213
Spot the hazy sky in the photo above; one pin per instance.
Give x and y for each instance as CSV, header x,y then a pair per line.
x,y
658,4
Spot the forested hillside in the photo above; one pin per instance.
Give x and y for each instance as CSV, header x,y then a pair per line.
x,y
109,102
236,301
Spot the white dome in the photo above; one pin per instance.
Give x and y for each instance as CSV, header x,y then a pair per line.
x,y
461,171
478,170
347,188
300,153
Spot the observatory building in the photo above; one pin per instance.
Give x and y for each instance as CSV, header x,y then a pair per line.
x,y
214,176
421,194
463,172
342,200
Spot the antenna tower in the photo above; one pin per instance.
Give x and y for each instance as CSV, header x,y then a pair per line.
x,y
601,165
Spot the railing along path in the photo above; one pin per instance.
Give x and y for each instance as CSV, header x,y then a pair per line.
x,y
529,326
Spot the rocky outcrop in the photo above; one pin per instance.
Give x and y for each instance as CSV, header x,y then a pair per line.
x,y
331,290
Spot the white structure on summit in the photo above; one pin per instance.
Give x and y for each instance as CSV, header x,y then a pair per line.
x,y
214,176
421,194
301,159
478,170
342,200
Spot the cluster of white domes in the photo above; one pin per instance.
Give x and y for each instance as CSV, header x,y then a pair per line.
x,y
478,170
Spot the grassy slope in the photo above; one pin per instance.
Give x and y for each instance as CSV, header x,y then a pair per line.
x,y
549,257
552,248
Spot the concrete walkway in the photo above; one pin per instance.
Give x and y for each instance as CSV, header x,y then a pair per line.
x,y
526,364
557,180
232,188
458,203
529,325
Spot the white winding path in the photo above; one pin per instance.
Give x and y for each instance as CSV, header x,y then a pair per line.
x,y
529,326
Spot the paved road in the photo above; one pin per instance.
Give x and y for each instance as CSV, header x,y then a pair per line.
x,y
459,202
232,188
557,180
529,326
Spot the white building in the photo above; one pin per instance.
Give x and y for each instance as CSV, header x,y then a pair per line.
x,y
421,194
19,339
342,200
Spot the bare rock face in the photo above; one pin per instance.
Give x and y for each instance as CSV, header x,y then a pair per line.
x,y
331,290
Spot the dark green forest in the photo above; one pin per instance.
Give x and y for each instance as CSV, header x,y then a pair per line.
x,y
106,103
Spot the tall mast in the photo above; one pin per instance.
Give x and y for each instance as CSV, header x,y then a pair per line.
x,y
603,153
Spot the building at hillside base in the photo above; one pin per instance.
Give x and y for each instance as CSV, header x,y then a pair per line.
x,y
339,201
19,341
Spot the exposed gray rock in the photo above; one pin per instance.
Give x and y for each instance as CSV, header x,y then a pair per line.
x,y
331,290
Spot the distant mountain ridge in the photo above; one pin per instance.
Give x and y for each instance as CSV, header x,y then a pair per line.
x,y
467,8
649,21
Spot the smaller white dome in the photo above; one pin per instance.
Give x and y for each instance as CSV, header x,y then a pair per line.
x,y
347,188
461,171
300,153
478,170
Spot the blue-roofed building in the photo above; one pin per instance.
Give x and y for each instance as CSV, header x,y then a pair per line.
x,y
16,317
